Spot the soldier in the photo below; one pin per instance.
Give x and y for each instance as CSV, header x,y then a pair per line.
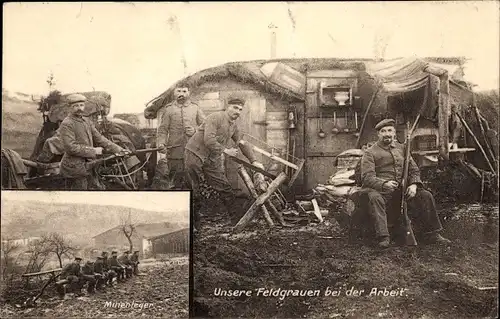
x,y
125,261
381,174
177,124
100,274
117,267
203,155
110,273
78,136
70,275
88,275
134,259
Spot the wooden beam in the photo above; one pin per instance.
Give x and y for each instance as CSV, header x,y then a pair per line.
x,y
275,184
251,188
443,115
276,213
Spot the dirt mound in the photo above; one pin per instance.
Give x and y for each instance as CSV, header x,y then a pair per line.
x,y
398,283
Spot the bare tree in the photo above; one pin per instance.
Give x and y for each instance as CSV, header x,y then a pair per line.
x,y
38,254
60,246
128,230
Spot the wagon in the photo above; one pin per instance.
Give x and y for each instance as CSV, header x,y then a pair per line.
x,y
41,171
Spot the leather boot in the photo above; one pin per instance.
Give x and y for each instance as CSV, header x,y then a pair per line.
x,y
436,238
384,242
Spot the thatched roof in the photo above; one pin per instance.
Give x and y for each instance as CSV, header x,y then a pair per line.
x,y
250,72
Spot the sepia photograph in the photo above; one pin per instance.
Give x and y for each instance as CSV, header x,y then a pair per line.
x,y
342,157
94,254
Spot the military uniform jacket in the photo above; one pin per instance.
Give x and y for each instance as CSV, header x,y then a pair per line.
x,y
88,269
99,266
213,136
113,262
105,264
72,269
134,258
123,259
381,164
171,130
79,136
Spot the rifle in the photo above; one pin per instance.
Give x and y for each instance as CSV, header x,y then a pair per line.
x,y
96,162
409,236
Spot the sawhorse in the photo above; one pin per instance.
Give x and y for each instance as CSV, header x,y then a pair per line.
x,y
262,202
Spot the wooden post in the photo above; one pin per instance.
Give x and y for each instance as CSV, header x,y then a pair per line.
x,y
358,141
443,114
275,184
251,188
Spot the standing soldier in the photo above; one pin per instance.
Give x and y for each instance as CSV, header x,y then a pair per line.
x,y
70,274
117,267
134,259
203,156
78,137
125,261
88,276
178,123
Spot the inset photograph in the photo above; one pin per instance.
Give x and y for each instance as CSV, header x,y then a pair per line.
x,y
94,254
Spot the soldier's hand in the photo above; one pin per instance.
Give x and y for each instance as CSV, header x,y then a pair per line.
x,y
190,130
98,150
162,146
231,152
411,190
390,186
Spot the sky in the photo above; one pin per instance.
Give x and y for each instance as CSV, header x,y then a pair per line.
x,y
152,201
134,50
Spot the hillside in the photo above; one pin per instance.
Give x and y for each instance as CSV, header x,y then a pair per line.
x,y
77,221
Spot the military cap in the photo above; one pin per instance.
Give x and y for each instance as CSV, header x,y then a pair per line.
x,y
104,253
75,98
99,257
236,101
114,252
136,251
384,123
78,258
126,252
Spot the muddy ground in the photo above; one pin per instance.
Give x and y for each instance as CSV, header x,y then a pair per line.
x,y
162,285
437,281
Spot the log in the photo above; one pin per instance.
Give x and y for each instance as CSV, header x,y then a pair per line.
x,y
276,213
477,143
251,188
251,166
275,184
42,272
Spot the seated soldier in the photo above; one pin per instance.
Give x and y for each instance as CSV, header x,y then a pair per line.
x,y
125,261
99,273
381,176
109,273
117,267
134,260
88,276
70,275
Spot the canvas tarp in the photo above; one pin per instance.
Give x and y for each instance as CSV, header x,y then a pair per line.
x,y
59,111
399,75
